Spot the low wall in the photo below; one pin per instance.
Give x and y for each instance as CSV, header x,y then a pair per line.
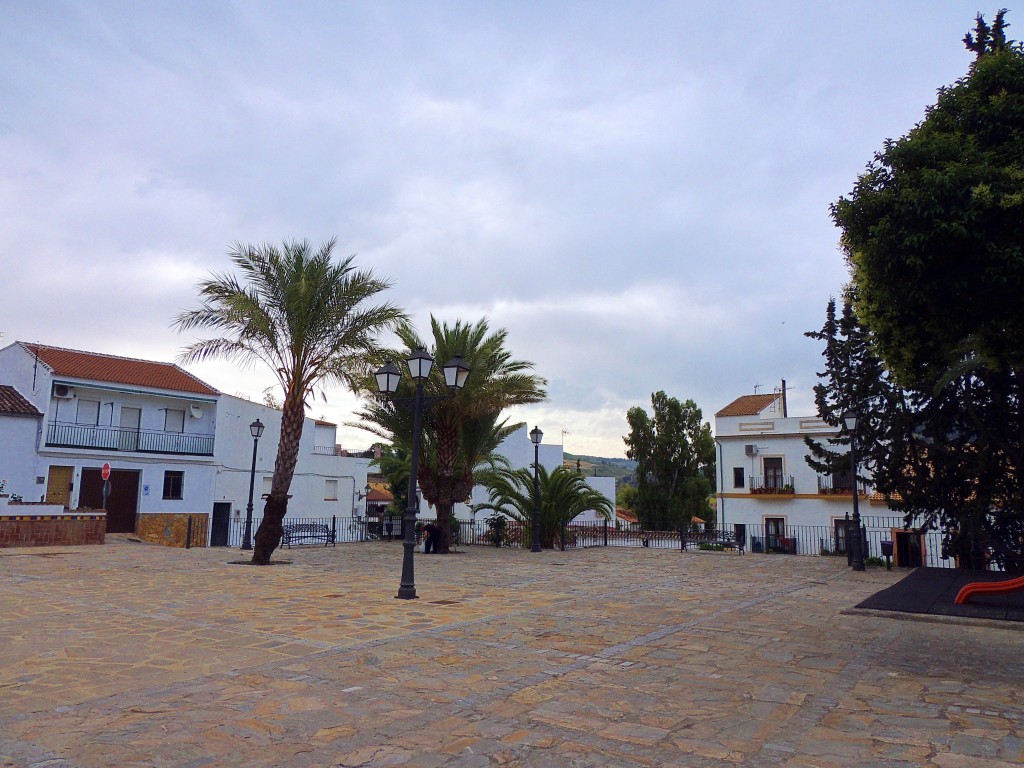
x,y
39,530
171,528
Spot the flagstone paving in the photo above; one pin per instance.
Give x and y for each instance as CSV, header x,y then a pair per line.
x,y
136,655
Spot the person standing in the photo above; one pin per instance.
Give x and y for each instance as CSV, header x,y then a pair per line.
x,y
430,533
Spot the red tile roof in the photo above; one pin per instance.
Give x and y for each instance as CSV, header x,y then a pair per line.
x,y
748,405
13,403
118,370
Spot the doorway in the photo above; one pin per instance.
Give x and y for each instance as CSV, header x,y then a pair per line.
x,y
123,501
59,484
131,420
220,525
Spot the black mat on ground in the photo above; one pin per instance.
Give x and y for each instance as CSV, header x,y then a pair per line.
x,y
932,591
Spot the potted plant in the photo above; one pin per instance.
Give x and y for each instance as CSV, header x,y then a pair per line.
x,y
497,525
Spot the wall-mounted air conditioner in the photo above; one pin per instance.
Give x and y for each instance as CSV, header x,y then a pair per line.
x,y
749,449
63,392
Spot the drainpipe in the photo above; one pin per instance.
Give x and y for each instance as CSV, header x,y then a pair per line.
x,y
721,487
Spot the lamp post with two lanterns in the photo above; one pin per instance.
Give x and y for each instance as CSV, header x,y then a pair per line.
x,y
455,373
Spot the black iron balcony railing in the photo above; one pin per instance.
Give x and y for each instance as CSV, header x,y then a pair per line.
x,y
772,484
123,439
829,485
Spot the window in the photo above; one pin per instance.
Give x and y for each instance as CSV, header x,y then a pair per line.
x,y
331,490
773,477
737,477
88,412
174,420
174,484
267,482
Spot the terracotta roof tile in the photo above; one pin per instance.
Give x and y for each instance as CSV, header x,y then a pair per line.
x,y
748,405
118,370
13,403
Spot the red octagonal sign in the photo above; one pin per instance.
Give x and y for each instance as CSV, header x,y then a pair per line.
x,y
105,472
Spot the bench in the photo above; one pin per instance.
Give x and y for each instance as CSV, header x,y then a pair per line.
x,y
300,533
713,540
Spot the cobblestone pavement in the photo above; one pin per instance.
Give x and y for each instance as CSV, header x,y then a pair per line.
x,y
137,655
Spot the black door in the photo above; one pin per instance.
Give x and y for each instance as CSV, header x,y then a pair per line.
x,y
220,523
123,502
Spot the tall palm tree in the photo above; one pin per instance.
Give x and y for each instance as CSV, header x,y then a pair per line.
x,y
310,320
461,433
564,495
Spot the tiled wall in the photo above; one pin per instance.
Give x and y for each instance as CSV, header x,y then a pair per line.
x,y
52,530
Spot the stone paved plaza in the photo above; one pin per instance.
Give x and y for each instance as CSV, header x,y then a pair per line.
x,y
136,655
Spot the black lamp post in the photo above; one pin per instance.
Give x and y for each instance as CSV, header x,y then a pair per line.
x,y
455,374
536,436
256,430
857,544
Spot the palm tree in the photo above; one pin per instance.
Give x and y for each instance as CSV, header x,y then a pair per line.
x,y
307,318
564,495
461,433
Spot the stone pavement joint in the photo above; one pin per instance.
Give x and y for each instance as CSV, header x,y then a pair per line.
x,y
130,654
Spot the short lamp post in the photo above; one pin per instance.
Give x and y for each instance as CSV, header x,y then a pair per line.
x,y
536,436
388,376
857,542
256,430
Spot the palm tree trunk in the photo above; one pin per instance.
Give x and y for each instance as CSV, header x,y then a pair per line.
x,y
268,535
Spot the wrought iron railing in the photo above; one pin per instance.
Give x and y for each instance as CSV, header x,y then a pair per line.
x,y
125,439
326,450
772,484
829,485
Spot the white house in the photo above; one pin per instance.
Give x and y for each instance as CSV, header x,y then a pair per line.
x,y
763,476
326,483
177,448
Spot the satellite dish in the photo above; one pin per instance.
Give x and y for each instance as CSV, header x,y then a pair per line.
x,y
196,411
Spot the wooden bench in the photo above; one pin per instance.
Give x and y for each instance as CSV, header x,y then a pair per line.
x,y
301,533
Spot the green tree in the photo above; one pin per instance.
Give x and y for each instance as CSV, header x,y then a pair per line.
x,y
934,229
394,463
934,232
675,455
461,433
626,496
564,496
310,320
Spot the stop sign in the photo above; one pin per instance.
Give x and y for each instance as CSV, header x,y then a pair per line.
x,y
105,472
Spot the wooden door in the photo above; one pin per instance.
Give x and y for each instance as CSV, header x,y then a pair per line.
x,y
59,484
123,501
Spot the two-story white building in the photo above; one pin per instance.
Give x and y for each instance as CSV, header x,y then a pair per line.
x,y
764,481
176,447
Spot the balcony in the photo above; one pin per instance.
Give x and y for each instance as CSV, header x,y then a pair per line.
x,y
327,450
830,485
772,485
132,440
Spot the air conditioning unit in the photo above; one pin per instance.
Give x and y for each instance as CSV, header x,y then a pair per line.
x,y
63,392
750,450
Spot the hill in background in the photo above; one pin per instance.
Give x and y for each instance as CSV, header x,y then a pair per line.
x,y
596,466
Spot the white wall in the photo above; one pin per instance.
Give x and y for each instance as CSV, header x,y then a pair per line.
x,y
234,462
18,456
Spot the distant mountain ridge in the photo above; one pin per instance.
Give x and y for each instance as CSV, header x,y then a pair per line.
x,y
600,466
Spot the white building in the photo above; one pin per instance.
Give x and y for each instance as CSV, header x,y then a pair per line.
x,y
177,448
763,476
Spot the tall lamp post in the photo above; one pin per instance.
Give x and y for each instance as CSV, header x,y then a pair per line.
x,y
256,430
857,543
388,376
536,436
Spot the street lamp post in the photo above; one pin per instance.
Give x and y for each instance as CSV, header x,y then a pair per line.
x,y
536,436
388,376
850,418
256,430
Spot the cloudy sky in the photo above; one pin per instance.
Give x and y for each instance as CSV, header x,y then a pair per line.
x,y
638,191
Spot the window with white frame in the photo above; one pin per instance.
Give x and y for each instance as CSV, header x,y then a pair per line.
x,y
330,490
268,481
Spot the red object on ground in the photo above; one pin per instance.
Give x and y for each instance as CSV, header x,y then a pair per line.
x,y
988,588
